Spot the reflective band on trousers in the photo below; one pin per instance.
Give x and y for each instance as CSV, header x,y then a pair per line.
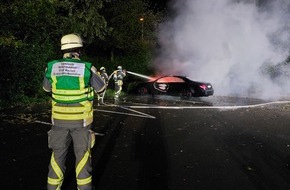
x,y
56,167
80,167
52,181
84,181
57,171
82,163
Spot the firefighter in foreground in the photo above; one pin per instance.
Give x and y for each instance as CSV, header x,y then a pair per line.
x,y
105,78
118,77
72,83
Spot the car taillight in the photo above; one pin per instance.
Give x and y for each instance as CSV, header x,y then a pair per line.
x,y
203,86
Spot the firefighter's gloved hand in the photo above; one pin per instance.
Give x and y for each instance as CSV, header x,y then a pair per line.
x,y
124,70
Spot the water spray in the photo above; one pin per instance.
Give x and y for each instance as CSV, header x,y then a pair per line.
x,y
140,75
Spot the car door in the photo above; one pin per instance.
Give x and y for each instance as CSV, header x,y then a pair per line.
x,y
170,85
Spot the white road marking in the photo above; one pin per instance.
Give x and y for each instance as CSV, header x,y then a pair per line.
x,y
208,107
42,122
122,113
135,111
141,114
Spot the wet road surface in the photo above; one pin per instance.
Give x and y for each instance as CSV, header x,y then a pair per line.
x,y
202,143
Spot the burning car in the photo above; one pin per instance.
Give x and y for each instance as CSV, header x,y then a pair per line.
x,y
175,86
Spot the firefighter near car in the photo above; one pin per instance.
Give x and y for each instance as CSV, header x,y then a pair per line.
x,y
72,83
118,76
105,78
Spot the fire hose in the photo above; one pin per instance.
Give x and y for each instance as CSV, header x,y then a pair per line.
x,y
130,72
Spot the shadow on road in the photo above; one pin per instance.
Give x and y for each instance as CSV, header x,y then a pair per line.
x,y
104,146
144,168
150,151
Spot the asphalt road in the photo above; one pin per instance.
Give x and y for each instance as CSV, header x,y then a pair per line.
x,y
144,143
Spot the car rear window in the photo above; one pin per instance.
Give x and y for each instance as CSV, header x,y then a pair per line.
x,y
170,80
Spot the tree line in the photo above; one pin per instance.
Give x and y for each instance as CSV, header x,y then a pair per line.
x,y
112,30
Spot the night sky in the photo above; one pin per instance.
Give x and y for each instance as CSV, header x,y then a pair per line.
x,y
159,4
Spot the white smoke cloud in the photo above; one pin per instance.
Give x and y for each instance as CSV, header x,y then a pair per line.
x,y
227,43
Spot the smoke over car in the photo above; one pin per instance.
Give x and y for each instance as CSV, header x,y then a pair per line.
x,y
228,42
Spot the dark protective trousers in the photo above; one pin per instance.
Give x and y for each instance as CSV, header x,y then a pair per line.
x,y
59,139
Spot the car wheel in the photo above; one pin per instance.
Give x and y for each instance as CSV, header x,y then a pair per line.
x,y
143,91
186,93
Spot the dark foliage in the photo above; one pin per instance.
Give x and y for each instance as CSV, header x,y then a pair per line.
x,y
31,31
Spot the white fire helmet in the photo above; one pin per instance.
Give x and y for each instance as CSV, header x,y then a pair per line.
x,y
119,67
71,41
102,68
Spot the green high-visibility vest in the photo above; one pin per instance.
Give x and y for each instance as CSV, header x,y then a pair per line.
x,y
70,80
